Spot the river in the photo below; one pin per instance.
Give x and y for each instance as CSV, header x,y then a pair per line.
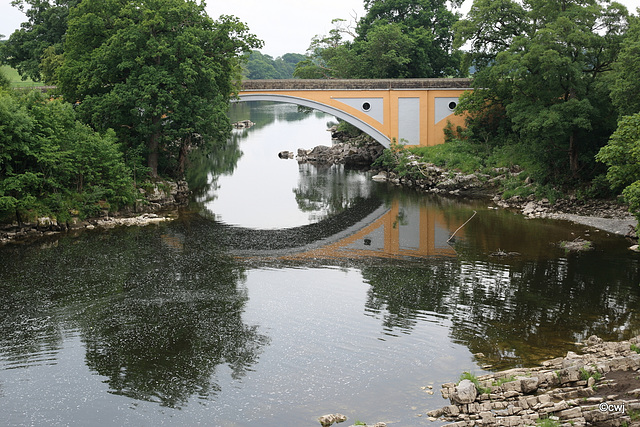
x,y
285,292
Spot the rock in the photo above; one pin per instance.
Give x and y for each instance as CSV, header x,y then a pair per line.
x,y
529,385
380,177
327,420
464,393
285,155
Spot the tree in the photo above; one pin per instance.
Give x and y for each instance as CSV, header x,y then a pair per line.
x,y
427,23
395,39
50,162
159,72
625,89
259,66
45,28
550,79
622,156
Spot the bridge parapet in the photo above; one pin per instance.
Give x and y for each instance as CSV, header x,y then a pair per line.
x,y
356,84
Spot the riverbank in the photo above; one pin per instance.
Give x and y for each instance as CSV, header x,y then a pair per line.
x,y
600,386
158,202
608,215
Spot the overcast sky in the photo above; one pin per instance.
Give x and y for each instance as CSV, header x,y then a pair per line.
x,y
284,25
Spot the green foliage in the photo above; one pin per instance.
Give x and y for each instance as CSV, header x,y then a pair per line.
x,y
395,39
501,381
542,79
45,28
348,128
51,163
397,158
625,87
259,66
622,153
159,72
635,348
585,374
474,379
622,156
455,154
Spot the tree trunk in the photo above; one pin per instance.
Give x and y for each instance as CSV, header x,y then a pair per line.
x,y
573,154
153,144
182,156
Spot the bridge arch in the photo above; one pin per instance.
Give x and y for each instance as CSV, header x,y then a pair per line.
x,y
360,124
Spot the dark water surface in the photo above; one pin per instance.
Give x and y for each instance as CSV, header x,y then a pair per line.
x,y
349,300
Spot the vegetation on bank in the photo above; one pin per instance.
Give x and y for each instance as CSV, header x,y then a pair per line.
x,y
140,85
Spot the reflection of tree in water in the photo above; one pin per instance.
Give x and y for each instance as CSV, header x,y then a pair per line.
x,y
514,315
329,189
158,309
206,165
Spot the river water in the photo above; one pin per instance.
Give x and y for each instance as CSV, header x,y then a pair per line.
x,y
289,291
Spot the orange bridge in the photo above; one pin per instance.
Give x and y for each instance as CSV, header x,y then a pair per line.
x,y
409,111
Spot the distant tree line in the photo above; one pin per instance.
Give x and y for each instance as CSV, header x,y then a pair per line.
x,y
259,66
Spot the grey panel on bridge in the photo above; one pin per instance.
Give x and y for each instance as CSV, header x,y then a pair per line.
x,y
409,121
365,127
375,106
442,108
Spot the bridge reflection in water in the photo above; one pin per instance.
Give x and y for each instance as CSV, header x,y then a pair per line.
x,y
398,230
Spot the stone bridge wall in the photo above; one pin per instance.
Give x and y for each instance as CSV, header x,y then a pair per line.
x,y
356,84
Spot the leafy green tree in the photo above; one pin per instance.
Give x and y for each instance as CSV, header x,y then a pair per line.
x,y
549,80
158,72
45,28
50,162
625,89
260,66
622,156
395,39
427,23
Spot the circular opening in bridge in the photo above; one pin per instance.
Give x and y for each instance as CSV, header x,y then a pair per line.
x,y
366,106
453,105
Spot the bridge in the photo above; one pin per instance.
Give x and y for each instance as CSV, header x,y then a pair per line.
x,y
409,111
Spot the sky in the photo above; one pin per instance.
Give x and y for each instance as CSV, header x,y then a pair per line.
x,y
284,25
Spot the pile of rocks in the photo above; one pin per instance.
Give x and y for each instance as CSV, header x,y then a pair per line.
x,y
430,178
601,387
243,124
350,154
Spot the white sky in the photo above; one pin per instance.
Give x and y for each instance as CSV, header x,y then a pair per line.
x,y
284,25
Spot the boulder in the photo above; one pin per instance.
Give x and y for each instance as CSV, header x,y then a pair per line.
x,y
464,393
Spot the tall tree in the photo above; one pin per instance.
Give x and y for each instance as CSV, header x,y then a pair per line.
x,y
159,72
45,28
395,39
545,62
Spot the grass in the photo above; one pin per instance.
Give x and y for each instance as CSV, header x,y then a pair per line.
x,y
14,78
474,379
503,380
635,348
585,375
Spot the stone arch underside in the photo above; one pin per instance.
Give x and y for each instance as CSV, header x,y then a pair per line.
x,y
363,126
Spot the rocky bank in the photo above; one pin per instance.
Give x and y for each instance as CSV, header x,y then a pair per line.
x,y
606,215
157,203
599,386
